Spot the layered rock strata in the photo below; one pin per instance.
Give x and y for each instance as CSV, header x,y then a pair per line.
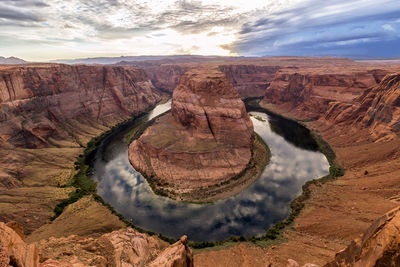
x,y
125,247
379,245
37,100
205,140
378,109
48,113
310,93
166,77
250,80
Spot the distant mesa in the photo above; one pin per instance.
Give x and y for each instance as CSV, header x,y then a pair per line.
x,y
205,140
11,60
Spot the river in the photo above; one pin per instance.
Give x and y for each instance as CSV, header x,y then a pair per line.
x,y
249,213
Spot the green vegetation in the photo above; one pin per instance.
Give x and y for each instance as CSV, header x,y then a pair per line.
x,y
297,204
259,118
85,186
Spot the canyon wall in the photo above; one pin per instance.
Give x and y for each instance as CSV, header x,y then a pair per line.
x,y
166,77
309,93
38,103
249,80
377,109
48,113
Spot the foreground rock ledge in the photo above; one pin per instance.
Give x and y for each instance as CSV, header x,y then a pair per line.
x,y
205,140
125,247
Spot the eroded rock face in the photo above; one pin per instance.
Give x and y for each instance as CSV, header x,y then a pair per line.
x,y
311,93
208,104
40,102
125,247
250,80
176,255
205,140
378,247
382,105
377,109
13,249
166,77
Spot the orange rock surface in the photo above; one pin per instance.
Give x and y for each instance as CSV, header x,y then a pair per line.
x,y
125,247
205,140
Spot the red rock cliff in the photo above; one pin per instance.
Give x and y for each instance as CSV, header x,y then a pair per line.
x,y
379,245
378,109
166,77
250,80
37,102
309,93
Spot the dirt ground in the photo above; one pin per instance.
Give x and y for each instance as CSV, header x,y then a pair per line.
x,y
337,212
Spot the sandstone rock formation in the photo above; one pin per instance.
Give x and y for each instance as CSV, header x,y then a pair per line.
x,y
178,254
13,249
311,93
378,247
250,80
206,139
55,110
125,247
383,113
38,101
293,263
377,109
166,77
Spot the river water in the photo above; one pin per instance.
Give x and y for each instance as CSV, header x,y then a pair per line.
x,y
249,213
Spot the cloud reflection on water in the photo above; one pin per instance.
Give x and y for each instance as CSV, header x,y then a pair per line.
x,y
251,212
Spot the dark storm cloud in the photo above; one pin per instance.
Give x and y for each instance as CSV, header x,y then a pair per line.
x,y
11,14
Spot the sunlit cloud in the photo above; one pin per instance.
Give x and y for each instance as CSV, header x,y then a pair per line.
x,y
44,30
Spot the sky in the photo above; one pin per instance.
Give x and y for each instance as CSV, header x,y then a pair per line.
x,y
39,30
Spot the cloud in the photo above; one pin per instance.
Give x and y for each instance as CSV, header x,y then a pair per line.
x,y
317,25
24,3
242,27
388,28
11,14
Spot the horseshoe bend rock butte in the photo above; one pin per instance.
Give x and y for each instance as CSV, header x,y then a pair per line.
x,y
206,139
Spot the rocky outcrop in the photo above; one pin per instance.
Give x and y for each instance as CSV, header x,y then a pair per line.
x,y
125,247
377,109
382,107
311,94
250,80
206,139
293,263
13,249
379,245
38,101
178,254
